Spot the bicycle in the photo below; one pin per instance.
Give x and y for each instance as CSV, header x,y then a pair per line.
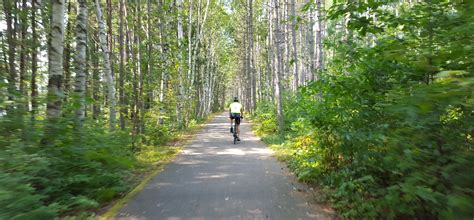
x,y
233,130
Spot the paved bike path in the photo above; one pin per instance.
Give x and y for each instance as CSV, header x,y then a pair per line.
x,y
215,179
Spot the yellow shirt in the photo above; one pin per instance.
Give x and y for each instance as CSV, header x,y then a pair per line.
x,y
235,107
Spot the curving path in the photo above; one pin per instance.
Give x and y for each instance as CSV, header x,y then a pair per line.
x,y
215,179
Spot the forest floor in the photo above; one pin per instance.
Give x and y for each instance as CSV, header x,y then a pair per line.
x,y
214,179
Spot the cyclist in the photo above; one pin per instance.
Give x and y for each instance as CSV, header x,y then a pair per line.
x,y
236,112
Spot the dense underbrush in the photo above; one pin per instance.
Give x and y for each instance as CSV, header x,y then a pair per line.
x,y
406,153
388,129
76,171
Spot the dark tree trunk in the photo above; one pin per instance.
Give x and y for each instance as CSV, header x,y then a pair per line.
x,y
34,62
121,67
12,75
23,49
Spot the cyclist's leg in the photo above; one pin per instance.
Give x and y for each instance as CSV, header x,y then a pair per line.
x,y
230,119
237,123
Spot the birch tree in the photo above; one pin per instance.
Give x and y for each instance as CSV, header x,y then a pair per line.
x,y
107,67
55,60
80,59
179,110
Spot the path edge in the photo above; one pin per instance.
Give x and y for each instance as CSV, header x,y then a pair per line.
x,y
121,202
110,213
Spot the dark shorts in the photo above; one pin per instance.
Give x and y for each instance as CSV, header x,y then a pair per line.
x,y
235,116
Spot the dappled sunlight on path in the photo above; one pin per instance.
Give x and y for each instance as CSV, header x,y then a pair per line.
x,y
215,179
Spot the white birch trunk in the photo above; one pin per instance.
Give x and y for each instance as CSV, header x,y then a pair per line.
x,y
179,110
80,59
107,67
55,60
311,46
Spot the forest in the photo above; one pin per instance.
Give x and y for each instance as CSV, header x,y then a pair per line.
x,y
371,101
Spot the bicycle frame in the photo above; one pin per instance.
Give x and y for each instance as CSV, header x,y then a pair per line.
x,y
235,134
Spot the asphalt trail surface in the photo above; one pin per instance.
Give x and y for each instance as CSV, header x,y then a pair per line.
x,y
215,179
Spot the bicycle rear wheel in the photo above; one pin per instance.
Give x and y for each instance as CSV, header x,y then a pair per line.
x,y
235,134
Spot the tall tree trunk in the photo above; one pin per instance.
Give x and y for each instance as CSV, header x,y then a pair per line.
x,y
95,81
135,70
252,59
311,45
121,67
141,72
271,69
67,49
295,50
11,39
23,49
286,36
80,60
319,45
34,62
247,78
163,79
110,35
278,87
147,87
107,67
190,42
180,109
55,60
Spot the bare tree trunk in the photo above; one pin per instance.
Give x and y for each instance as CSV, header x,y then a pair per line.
x,y
80,60
137,74
34,62
252,59
286,40
107,67
319,36
163,80
247,72
302,37
278,87
7,7
95,84
121,66
271,54
110,36
55,60
67,49
179,110
190,42
295,51
311,46
23,50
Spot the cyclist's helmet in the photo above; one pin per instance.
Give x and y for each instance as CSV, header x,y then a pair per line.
x,y
236,99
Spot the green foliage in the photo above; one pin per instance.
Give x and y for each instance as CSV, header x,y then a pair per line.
x,y
390,135
76,171
266,117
